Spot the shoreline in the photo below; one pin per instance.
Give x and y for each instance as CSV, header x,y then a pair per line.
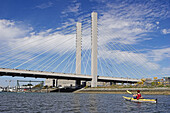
x,y
145,91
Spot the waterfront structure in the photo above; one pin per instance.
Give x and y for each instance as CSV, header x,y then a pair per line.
x,y
29,85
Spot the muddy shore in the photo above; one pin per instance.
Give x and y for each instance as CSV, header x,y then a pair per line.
x,y
149,91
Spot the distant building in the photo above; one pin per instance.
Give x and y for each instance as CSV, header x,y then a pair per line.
x,y
148,81
167,80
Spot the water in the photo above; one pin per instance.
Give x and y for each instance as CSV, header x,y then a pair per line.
x,y
78,103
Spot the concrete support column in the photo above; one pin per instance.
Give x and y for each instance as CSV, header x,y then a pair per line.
x,y
94,50
56,82
78,83
111,83
53,82
84,84
78,49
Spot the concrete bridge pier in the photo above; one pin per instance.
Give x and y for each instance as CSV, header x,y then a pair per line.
x,y
78,83
56,82
53,82
112,83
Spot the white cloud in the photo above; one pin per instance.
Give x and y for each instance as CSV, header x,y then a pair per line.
x,y
159,54
128,21
166,70
166,31
10,30
130,58
22,44
128,32
73,8
44,5
46,41
99,1
37,47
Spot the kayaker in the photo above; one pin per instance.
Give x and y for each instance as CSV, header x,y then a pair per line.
x,y
138,95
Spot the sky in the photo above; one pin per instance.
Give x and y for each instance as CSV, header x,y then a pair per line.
x,y
133,36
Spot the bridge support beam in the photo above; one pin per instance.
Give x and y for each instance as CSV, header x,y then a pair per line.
x,y
78,49
94,50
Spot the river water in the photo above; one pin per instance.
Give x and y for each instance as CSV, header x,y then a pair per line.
x,y
78,103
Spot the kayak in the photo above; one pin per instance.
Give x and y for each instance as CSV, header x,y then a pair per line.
x,y
140,100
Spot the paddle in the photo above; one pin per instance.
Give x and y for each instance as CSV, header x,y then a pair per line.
x,y
129,92
132,93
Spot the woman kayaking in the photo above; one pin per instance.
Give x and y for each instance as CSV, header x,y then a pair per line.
x,y
138,95
138,98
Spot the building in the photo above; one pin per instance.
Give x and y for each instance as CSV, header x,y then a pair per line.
x,y
167,80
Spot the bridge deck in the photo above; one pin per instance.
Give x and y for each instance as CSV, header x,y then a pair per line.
x,y
43,74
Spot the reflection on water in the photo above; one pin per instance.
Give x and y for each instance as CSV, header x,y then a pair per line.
x,y
77,103
92,102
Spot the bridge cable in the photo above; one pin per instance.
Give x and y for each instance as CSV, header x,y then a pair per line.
x,y
111,49
29,48
35,57
55,61
124,63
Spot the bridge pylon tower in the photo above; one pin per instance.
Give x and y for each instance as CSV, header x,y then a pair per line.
x,y
94,49
78,48
78,51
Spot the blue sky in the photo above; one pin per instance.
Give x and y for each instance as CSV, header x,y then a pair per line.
x,y
133,36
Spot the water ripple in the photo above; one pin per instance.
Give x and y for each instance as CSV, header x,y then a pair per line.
x,y
77,103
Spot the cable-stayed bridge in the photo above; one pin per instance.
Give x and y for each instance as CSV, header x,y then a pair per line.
x,y
57,54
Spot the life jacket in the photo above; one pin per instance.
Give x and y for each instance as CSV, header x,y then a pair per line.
x,y
138,96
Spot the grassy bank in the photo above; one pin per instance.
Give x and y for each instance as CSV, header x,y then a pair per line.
x,y
156,91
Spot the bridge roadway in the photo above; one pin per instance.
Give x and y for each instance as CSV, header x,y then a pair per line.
x,y
54,75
